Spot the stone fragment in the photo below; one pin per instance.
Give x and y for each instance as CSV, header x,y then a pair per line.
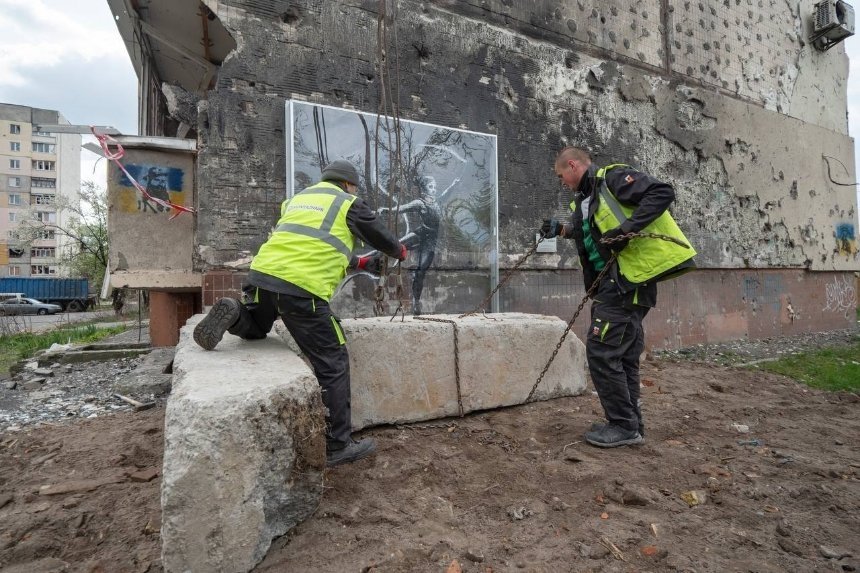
x,y
790,546
10,384
5,499
46,372
146,475
244,452
44,565
830,553
78,486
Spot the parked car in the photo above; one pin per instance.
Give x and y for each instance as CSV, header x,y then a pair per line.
x,y
28,306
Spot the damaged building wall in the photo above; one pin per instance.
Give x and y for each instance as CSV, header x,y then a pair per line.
x,y
726,100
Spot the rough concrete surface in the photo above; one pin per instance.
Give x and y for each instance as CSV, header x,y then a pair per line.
x,y
244,452
405,371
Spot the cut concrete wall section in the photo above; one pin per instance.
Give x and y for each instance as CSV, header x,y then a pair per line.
x,y
244,453
244,440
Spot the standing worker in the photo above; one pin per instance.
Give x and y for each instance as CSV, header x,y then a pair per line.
x,y
609,203
294,275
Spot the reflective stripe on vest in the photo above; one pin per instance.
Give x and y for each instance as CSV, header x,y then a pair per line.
x,y
312,244
642,259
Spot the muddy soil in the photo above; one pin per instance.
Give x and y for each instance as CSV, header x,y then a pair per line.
x,y
741,471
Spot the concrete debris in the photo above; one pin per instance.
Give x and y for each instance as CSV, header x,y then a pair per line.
x,y
82,391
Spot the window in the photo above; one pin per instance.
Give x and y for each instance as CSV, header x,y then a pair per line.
x,y
12,234
14,164
40,199
43,252
14,182
42,147
13,216
14,199
42,165
14,271
15,146
48,133
45,235
42,270
44,183
14,128
45,217
16,253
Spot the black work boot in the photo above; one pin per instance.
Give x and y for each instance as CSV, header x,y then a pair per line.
x,y
353,451
223,314
595,426
612,436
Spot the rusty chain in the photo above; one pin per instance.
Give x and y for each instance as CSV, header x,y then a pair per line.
x,y
482,305
456,356
590,292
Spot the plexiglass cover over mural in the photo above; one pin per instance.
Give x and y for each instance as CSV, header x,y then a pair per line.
x,y
440,198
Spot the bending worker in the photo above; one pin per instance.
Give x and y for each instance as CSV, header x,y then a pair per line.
x,y
294,275
609,203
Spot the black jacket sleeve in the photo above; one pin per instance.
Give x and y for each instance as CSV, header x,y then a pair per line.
x,y
364,224
649,196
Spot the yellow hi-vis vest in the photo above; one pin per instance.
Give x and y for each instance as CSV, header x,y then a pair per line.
x,y
643,259
312,244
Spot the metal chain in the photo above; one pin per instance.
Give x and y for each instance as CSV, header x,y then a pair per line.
x,y
594,285
482,305
456,356
564,334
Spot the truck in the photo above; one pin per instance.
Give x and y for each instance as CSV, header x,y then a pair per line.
x,y
71,294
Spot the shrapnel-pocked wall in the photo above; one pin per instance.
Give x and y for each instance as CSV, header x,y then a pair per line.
x,y
726,100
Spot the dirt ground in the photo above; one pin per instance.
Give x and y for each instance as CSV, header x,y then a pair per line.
x,y
514,489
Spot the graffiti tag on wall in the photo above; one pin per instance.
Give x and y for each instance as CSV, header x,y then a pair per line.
x,y
841,296
162,182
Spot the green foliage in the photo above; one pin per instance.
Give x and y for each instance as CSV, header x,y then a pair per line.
x,y
17,347
85,227
836,368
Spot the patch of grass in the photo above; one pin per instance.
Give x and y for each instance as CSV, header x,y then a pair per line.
x,y
15,347
836,368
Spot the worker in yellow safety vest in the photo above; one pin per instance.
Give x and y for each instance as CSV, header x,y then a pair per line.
x,y
294,275
609,203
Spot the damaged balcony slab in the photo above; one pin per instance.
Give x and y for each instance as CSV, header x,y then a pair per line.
x,y
244,452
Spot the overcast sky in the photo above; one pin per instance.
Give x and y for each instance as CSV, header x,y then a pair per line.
x,y
68,56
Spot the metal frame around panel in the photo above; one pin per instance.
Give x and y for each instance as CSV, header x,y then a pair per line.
x,y
289,116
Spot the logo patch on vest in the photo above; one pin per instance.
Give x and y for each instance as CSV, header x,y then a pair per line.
x,y
629,179
595,331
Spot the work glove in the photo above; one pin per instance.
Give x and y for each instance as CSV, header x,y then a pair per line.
x,y
551,228
371,263
403,253
619,245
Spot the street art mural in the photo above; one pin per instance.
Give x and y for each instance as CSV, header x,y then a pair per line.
x,y
160,182
846,240
435,187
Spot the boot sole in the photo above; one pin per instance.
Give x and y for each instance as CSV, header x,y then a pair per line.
x,y
209,331
630,442
355,458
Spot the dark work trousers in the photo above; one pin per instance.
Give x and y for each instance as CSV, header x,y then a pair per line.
x,y
614,343
318,334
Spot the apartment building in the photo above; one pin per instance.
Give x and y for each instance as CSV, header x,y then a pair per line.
x,y
36,168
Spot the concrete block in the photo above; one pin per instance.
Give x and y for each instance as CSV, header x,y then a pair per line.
x,y
244,452
404,370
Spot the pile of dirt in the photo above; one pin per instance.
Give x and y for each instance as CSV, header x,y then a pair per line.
x,y
742,470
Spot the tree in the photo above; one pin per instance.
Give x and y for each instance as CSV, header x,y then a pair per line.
x,y
84,224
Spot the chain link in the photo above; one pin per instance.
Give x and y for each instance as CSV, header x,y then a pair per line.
x,y
456,356
482,305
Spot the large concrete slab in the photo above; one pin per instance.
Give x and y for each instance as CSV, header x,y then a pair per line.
x,y
403,370
244,452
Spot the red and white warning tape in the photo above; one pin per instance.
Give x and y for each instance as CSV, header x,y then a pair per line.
x,y
104,141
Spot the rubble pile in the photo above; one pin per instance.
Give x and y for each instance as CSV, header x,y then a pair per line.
x,y
51,394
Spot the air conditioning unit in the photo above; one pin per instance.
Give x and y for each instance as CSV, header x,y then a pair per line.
x,y
832,22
